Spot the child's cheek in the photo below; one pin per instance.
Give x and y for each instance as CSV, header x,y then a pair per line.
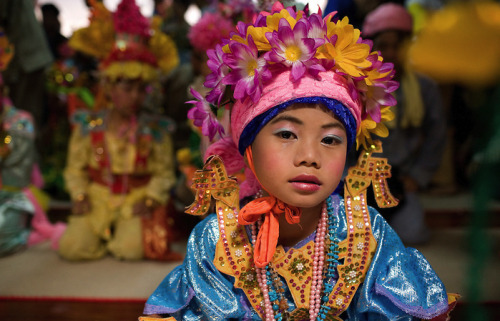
x,y
268,164
336,168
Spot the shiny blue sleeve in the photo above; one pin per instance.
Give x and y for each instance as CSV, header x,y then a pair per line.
x,y
400,283
196,290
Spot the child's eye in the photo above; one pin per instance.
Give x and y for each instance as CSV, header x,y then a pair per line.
x,y
332,140
285,134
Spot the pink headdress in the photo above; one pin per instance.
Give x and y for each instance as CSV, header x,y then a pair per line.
x,y
388,16
281,89
287,54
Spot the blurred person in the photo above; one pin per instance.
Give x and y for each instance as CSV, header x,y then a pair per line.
x,y
418,132
120,166
52,27
23,221
27,71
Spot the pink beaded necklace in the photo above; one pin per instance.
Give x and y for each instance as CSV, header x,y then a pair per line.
x,y
318,262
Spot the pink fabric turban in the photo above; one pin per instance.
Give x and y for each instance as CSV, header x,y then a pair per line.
x,y
281,90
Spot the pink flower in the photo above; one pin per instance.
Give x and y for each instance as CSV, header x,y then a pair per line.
x,y
202,116
219,71
248,70
317,29
209,31
379,93
293,49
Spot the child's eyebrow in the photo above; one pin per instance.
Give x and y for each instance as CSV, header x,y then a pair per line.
x,y
333,125
296,120
286,118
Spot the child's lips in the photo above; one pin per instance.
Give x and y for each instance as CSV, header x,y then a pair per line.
x,y
308,183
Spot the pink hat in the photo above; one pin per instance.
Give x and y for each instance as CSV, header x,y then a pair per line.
x,y
388,16
281,89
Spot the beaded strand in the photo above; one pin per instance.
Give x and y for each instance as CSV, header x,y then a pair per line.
x,y
273,299
318,260
333,256
261,279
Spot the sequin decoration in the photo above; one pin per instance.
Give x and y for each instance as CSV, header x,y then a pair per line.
x,y
213,181
371,170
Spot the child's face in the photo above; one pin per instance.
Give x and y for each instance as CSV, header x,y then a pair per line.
x,y
299,155
128,95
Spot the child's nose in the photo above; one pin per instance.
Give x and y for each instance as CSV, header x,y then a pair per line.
x,y
307,155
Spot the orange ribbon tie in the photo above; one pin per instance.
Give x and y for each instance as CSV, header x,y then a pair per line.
x,y
267,238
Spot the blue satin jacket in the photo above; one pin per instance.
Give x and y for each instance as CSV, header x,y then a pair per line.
x,y
400,283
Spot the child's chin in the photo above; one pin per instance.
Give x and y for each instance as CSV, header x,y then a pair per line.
x,y
305,202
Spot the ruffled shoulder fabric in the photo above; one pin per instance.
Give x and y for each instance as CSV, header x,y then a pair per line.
x,y
400,283
197,284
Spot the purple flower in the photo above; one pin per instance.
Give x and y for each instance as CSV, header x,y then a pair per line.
x,y
317,29
219,71
378,97
202,116
294,49
248,70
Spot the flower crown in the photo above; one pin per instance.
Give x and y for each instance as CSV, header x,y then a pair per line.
x,y
304,44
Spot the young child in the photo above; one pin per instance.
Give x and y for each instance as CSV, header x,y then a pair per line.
x,y
120,160
23,220
305,90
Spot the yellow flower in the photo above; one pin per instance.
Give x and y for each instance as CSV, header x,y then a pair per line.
x,y
369,126
374,74
259,37
273,21
259,33
350,56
